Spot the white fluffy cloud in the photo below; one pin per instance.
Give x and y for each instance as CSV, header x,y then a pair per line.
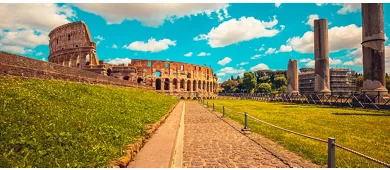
x,y
224,61
243,63
284,48
256,56
39,54
120,61
311,63
305,60
235,31
189,54
25,26
340,38
151,46
270,51
349,8
201,54
154,14
231,71
98,39
260,66
114,46
311,19
261,48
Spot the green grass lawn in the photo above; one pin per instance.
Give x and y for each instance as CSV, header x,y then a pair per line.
x,y
47,123
366,131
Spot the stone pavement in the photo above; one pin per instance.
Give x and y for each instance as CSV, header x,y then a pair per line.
x,y
211,142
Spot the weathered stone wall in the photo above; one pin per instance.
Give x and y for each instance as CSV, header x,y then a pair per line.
x,y
71,45
15,65
179,79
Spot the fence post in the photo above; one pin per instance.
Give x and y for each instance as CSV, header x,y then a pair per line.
x,y
223,111
331,153
245,122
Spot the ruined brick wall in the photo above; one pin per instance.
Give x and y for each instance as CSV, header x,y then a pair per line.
x,y
15,65
174,78
71,45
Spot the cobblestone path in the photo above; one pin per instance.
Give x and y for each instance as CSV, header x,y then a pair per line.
x,y
210,142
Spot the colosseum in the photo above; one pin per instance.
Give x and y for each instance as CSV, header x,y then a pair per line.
x,y
71,45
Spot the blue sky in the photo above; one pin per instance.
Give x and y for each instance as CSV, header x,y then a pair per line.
x,y
233,38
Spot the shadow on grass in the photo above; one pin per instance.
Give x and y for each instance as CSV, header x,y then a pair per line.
x,y
359,114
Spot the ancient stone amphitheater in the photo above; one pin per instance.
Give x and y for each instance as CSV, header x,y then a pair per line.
x,y
71,47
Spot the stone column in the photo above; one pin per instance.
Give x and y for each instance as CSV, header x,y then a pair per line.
x,y
321,56
373,38
191,84
185,84
292,77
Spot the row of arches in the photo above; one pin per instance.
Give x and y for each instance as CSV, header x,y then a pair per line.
x,y
189,85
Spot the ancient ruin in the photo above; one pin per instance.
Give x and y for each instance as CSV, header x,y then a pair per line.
x,y
373,38
292,77
71,45
321,56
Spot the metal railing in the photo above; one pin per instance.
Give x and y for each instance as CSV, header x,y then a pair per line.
x,y
341,99
331,141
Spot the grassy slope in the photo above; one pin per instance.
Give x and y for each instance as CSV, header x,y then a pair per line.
x,y
366,131
61,124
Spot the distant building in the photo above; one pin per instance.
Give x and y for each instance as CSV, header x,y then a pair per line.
x,y
341,80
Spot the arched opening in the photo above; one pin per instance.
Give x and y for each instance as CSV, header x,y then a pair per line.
x,y
208,86
194,86
175,84
166,84
199,85
182,98
158,74
188,85
109,71
139,80
194,98
189,98
126,77
158,84
204,85
182,84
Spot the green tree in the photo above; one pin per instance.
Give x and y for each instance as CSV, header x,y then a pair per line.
x,y
265,79
229,86
249,81
264,88
359,83
279,81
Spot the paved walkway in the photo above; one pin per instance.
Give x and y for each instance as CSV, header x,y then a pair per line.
x,y
210,142
159,150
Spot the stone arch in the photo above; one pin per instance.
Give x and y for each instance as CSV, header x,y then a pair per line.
x,y
109,71
199,85
158,84
207,86
166,84
182,84
188,85
140,80
204,85
194,98
189,98
158,73
126,77
175,84
182,98
194,84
